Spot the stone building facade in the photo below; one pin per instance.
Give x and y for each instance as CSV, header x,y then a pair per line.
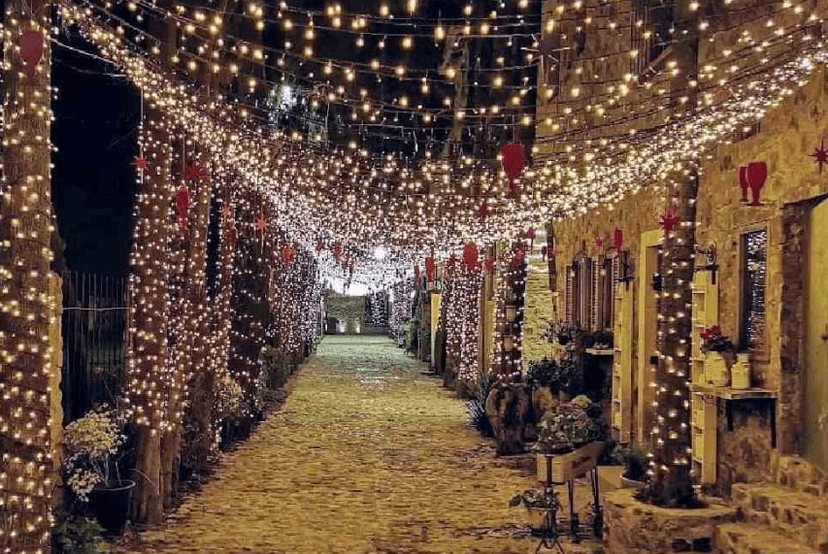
x,y
782,340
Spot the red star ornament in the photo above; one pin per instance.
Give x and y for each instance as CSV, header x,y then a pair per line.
x,y
670,220
226,211
261,223
484,211
820,156
140,163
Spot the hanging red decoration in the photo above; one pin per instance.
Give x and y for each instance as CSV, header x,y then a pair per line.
x,y
231,236
470,256
338,251
319,246
670,220
757,173
520,256
451,265
618,239
599,243
194,172
743,182
140,163
490,263
183,203
288,255
429,263
513,163
820,156
484,211
31,49
226,211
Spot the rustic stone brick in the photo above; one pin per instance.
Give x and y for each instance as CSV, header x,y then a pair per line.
x,y
638,528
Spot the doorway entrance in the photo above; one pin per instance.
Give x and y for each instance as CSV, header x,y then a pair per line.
x,y
649,264
815,389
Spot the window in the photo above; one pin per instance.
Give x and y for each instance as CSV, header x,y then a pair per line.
x,y
579,293
651,33
754,281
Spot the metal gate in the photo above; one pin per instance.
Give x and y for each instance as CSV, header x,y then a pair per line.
x,y
94,327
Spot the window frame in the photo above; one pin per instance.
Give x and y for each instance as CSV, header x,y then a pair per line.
x,y
761,352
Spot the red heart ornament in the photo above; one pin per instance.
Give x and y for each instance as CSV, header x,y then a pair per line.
x,y
31,49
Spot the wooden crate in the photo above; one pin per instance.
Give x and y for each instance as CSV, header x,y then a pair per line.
x,y
566,467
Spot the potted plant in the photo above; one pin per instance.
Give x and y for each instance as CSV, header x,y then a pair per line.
x,y
541,507
635,467
571,426
92,445
715,346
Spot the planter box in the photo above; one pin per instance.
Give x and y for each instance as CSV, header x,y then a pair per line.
x,y
566,467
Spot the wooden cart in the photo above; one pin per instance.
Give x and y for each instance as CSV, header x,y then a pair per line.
x,y
563,469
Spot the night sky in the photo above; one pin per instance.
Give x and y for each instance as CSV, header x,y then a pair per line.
x,y
95,132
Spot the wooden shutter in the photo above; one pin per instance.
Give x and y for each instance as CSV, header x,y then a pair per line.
x,y
704,416
622,377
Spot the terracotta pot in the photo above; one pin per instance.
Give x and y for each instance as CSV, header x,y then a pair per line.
x,y
631,483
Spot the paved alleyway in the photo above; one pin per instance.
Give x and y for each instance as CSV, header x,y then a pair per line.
x,y
366,456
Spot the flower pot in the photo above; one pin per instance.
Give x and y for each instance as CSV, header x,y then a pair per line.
x,y
538,521
111,506
631,483
715,369
741,372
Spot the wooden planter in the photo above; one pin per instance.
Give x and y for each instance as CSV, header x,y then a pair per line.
x,y
566,467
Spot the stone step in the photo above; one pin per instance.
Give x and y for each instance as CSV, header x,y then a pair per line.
x,y
753,538
794,513
797,473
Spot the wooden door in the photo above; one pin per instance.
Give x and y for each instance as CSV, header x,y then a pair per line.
x,y
815,390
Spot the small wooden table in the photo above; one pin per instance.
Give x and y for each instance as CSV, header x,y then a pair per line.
x,y
563,469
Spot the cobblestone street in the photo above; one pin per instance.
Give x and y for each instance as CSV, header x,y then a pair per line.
x,y
366,456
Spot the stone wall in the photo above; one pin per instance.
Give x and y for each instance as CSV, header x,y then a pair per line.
x,y
785,138
349,309
537,312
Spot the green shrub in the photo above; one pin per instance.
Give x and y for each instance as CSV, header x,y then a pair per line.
x,y
78,535
476,407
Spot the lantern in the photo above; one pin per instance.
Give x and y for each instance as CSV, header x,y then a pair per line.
x,y
513,163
